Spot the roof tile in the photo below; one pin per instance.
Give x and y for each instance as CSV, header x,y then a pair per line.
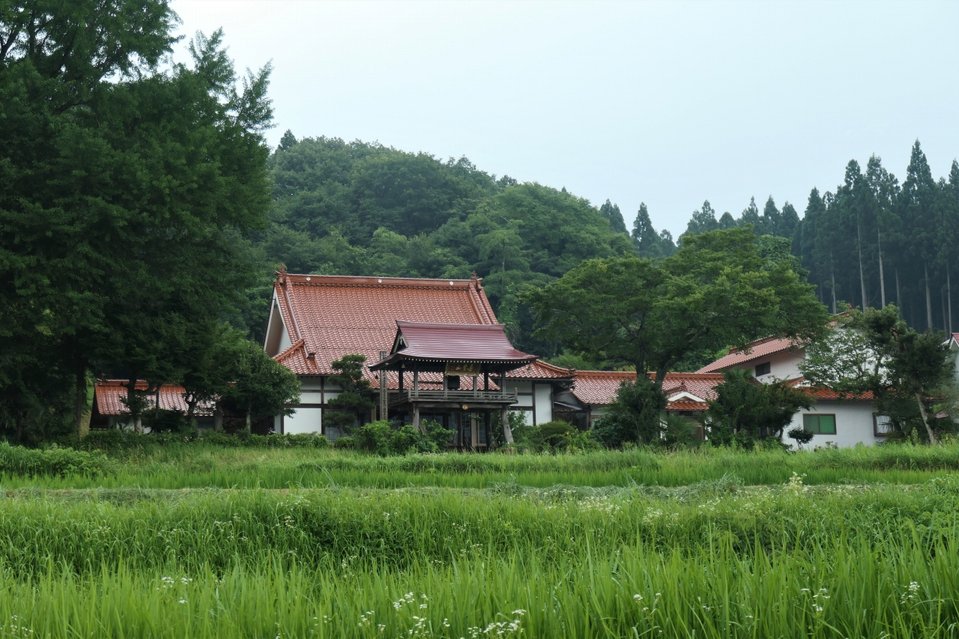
x,y
110,393
759,348
336,315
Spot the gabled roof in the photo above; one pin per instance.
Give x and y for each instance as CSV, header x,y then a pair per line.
x,y
953,340
824,393
329,316
483,344
755,350
110,393
684,391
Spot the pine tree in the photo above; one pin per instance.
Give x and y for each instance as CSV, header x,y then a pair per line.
x,y
917,211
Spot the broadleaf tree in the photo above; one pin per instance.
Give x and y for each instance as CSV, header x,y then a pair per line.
x,y
129,189
876,351
718,290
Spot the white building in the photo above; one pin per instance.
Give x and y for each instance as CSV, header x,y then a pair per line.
x,y
833,419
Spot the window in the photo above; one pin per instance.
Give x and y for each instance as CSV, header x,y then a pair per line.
x,y
763,369
881,425
819,424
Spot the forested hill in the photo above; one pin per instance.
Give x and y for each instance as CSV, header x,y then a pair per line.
x,y
872,240
358,208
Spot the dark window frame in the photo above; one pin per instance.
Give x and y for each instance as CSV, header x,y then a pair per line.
x,y
765,368
819,416
875,425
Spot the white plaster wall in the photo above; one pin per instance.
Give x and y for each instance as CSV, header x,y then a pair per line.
x,y
311,397
854,424
524,389
308,384
277,337
304,420
543,398
782,366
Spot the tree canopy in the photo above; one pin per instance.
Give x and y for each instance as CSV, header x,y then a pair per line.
x,y
717,290
128,191
876,351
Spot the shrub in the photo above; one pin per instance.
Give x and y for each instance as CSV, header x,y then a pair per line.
x,y
118,441
554,436
347,442
57,462
383,439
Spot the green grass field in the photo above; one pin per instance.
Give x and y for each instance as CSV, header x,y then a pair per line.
x,y
196,540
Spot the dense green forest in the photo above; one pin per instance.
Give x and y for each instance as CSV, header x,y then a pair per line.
x,y
871,241
358,208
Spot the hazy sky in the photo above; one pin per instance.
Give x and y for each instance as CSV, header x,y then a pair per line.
x,y
667,103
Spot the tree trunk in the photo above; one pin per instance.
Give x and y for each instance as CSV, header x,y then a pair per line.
x,y
949,300
925,275
249,418
81,412
882,277
898,295
862,278
507,431
218,419
925,420
832,277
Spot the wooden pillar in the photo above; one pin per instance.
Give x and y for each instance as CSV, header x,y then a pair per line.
x,y
416,383
507,431
416,417
475,388
384,397
474,432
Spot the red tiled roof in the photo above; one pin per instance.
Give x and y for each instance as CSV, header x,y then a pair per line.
x,y
759,348
330,316
109,393
954,340
598,388
541,370
702,385
486,343
823,393
687,405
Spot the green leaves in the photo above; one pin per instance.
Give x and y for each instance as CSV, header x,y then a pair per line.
x,y
717,290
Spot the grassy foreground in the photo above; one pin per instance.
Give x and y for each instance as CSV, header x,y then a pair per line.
x,y
872,553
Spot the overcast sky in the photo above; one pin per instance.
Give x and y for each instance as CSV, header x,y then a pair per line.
x,y
667,103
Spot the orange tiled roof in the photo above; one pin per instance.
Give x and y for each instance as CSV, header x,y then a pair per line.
x,y
759,348
109,394
598,388
823,393
329,316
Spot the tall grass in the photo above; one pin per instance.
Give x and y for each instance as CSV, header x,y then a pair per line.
x,y
305,542
151,529
895,588
199,464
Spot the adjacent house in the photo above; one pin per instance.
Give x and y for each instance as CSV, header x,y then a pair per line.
x,y
110,409
433,347
833,419
687,394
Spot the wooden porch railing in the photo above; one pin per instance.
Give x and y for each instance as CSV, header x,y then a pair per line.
x,y
459,396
